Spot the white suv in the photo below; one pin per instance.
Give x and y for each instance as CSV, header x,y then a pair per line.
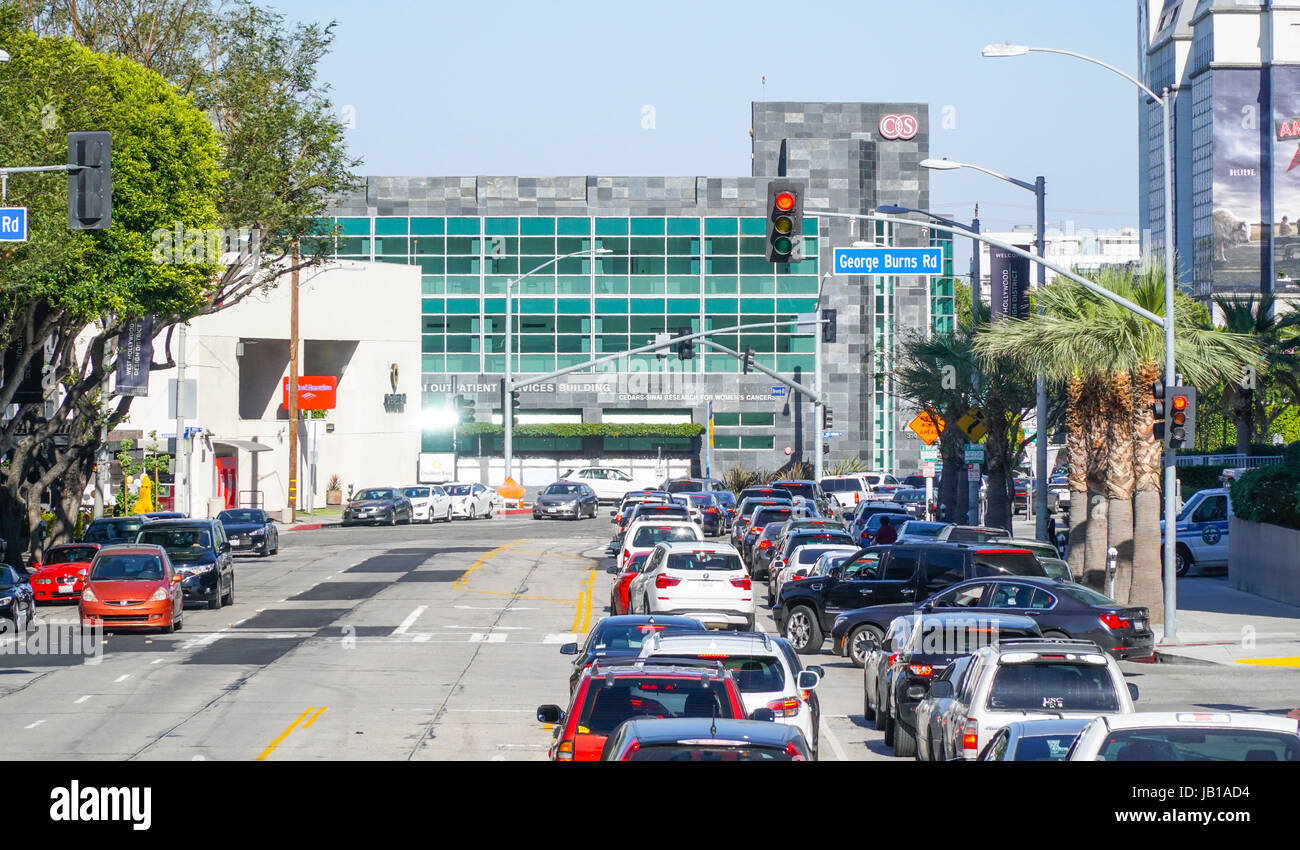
x,y
766,669
706,581
1188,736
1030,679
644,535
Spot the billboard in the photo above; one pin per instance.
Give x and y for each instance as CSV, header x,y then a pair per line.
x,y
1238,236
1286,179
1008,282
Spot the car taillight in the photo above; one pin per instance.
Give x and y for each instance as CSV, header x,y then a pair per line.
x,y
920,669
892,659
664,580
1113,622
627,756
970,735
742,583
626,552
763,544
564,752
793,752
787,707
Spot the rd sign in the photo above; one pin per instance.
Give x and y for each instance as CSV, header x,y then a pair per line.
x,y
927,261
13,224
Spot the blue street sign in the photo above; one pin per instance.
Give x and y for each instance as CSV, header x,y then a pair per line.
x,y
13,224
927,261
778,392
830,435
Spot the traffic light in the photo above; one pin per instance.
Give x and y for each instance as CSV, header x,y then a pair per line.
x,y
828,325
784,222
514,399
90,185
464,408
1182,417
828,418
748,362
1158,411
685,348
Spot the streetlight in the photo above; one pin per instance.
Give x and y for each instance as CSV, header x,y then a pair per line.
x,y
1171,578
1039,188
507,406
4,57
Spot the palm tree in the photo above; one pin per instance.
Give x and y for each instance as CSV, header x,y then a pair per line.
x,y
1279,364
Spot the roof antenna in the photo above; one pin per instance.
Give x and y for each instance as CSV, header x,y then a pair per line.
x,y
713,724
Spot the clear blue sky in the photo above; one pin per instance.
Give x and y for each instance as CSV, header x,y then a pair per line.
x,y
539,88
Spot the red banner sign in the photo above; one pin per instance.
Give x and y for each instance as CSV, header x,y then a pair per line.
x,y
315,392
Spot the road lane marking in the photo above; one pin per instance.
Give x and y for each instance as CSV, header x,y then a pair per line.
x,y
33,725
410,620
120,679
459,584
494,608
584,603
80,701
1287,661
294,725
156,661
488,637
833,741
318,713
560,637
508,628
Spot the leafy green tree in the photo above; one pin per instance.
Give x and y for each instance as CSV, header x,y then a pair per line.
x,y
1278,368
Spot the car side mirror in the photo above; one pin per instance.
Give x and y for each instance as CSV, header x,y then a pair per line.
x,y
836,572
765,714
819,670
568,649
549,714
176,578
612,571
1133,691
807,680
225,546
941,689
613,513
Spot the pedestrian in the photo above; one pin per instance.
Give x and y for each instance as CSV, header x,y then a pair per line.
x,y
1284,229
887,533
1051,527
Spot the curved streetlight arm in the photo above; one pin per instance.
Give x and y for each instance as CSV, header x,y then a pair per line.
x,y
946,221
1132,79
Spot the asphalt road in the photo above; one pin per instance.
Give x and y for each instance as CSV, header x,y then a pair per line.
x,y
426,642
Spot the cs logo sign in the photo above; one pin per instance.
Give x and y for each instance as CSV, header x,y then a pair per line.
x,y
902,126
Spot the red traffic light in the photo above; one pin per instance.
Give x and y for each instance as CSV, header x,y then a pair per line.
x,y
785,201
1180,402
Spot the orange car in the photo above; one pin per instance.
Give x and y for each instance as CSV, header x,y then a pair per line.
x,y
62,574
132,586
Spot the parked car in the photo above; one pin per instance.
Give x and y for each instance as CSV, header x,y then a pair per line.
x,y
61,573
609,695
1060,489
1201,530
706,581
566,499
1034,740
17,601
428,502
250,529
618,638
116,529
698,739
1198,736
806,611
133,586
378,505
610,484
470,500
1031,680
200,553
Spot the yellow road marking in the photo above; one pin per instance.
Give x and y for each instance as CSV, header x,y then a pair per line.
x,y
582,608
591,591
318,713
548,554
294,725
1286,661
517,595
459,584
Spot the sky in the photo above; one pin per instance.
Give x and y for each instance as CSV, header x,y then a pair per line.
x,y
539,88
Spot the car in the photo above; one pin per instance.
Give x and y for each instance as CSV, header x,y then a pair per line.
x,y
1046,553
745,512
713,515
620,637
920,531
847,490
768,673
429,502
250,529
610,484
762,517
1201,530
623,580
915,481
912,500
898,673
794,538
806,611
694,485
566,499
17,601
609,695
728,501
1034,740
804,562
971,534
762,549
866,510
930,711
133,586
698,739
470,500
865,534
706,581
1060,488
116,529
644,535
1030,680
375,505
653,512
200,553
1198,736
810,490
61,573
879,481
630,501
164,515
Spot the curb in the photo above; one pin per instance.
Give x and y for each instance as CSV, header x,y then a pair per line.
x,y
1184,660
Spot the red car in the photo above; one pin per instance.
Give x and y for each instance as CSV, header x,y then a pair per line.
x,y
606,696
618,593
61,576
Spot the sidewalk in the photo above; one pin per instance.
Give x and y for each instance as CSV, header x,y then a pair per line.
x,y
1220,625
333,518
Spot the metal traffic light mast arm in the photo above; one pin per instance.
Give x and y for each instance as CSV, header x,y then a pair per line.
x,y
816,398
31,169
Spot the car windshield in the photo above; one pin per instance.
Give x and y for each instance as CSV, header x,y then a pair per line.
x,y
923,529
373,495
798,488
1007,564
701,499
649,535
874,521
240,516
176,540
663,512
809,554
457,489
974,535
1045,747
700,561
608,705
562,489
740,751
768,515
139,567
1178,744
824,566
113,532
70,555
909,496
1057,686
1086,595
629,636
684,486
416,492
842,537
840,485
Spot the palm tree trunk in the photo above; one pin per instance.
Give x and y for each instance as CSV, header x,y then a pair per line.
x,y
1077,475
1147,589
952,482
995,447
1097,434
1243,414
1119,480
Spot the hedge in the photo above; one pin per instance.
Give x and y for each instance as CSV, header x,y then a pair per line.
x,y
585,429
1269,494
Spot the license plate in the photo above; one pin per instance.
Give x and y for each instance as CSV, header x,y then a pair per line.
x,y
65,588
553,510
1139,625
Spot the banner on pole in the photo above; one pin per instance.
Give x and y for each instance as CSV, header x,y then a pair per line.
x,y
1009,282
134,354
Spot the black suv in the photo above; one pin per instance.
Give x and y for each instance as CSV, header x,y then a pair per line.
x,y
200,552
888,575
113,529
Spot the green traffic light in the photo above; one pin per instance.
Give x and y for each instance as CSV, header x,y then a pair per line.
x,y
782,245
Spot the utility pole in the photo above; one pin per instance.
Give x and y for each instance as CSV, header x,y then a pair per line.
x,y
973,487
181,495
293,389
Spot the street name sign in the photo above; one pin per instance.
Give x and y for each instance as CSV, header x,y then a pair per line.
x,y
830,435
778,392
927,261
13,224
974,454
929,454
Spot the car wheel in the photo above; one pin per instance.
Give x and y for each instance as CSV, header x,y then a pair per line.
x,y
1182,561
803,631
266,549
179,624
904,743
858,643
889,729
1053,634
490,511
170,628
230,597
471,512
215,602
392,518
749,623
